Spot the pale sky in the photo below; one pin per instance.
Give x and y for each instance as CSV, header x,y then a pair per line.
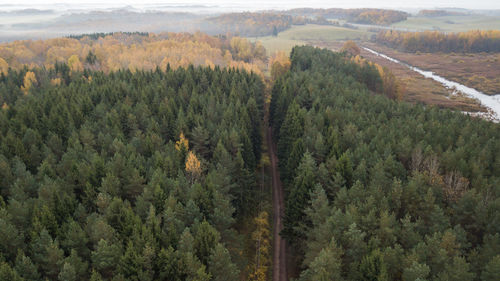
x,y
266,4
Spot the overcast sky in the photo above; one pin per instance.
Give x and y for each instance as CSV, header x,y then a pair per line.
x,y
267,4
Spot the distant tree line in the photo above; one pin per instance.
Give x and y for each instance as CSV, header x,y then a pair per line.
x,y
95,36
134,51
475,41
378,189
438,13
363,16
252,24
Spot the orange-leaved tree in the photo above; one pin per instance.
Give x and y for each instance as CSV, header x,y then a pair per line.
x,y
261,237
182,143
279,64
351,48
29,80
193,166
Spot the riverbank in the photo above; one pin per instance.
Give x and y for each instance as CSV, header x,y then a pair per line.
x,y
480,71
492,102
417,88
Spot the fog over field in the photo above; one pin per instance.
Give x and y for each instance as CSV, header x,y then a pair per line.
x,y
39,19
228,5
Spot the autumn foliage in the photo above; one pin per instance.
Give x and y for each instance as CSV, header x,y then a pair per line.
x,y
253,24
279,64
134,51
351,47
29,80
4,66
261,238
74,63
182,143
474,41
193,165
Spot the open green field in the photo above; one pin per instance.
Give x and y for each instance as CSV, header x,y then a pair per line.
x,y
450,23
303,34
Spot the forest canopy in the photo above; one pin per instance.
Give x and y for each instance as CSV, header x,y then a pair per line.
x,y
114,51
378,189
127,175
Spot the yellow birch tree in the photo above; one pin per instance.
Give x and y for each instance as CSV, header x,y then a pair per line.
x,y
4,66
182,142
75,64
29,80
261,237
193,166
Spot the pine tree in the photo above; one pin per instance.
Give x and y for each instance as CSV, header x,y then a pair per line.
x,y
47,254
105,258
457,270
205,240
95,276
326,266
25,267
130,264
317,214
220,265
10,239
299,197
372,267
492,269
170,265
67,273
7,273
416,272
78,264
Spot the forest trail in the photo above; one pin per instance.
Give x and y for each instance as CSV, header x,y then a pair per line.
x,y
279,256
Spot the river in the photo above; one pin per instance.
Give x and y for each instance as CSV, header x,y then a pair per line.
x,y
492,102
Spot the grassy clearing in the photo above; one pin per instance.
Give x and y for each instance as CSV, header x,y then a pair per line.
x,y
275,44
304,34
458,67
450,23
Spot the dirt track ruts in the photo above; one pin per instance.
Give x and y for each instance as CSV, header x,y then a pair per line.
x,y
279,256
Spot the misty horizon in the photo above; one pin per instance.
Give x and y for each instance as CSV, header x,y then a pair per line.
x,y
197,6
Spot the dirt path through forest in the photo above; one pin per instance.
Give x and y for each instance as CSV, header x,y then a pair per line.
x,y
279,257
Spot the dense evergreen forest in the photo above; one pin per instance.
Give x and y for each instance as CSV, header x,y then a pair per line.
x,y
133,156
378,189
474,41
127,176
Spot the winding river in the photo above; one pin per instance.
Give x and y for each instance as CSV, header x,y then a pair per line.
x,y
491,102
